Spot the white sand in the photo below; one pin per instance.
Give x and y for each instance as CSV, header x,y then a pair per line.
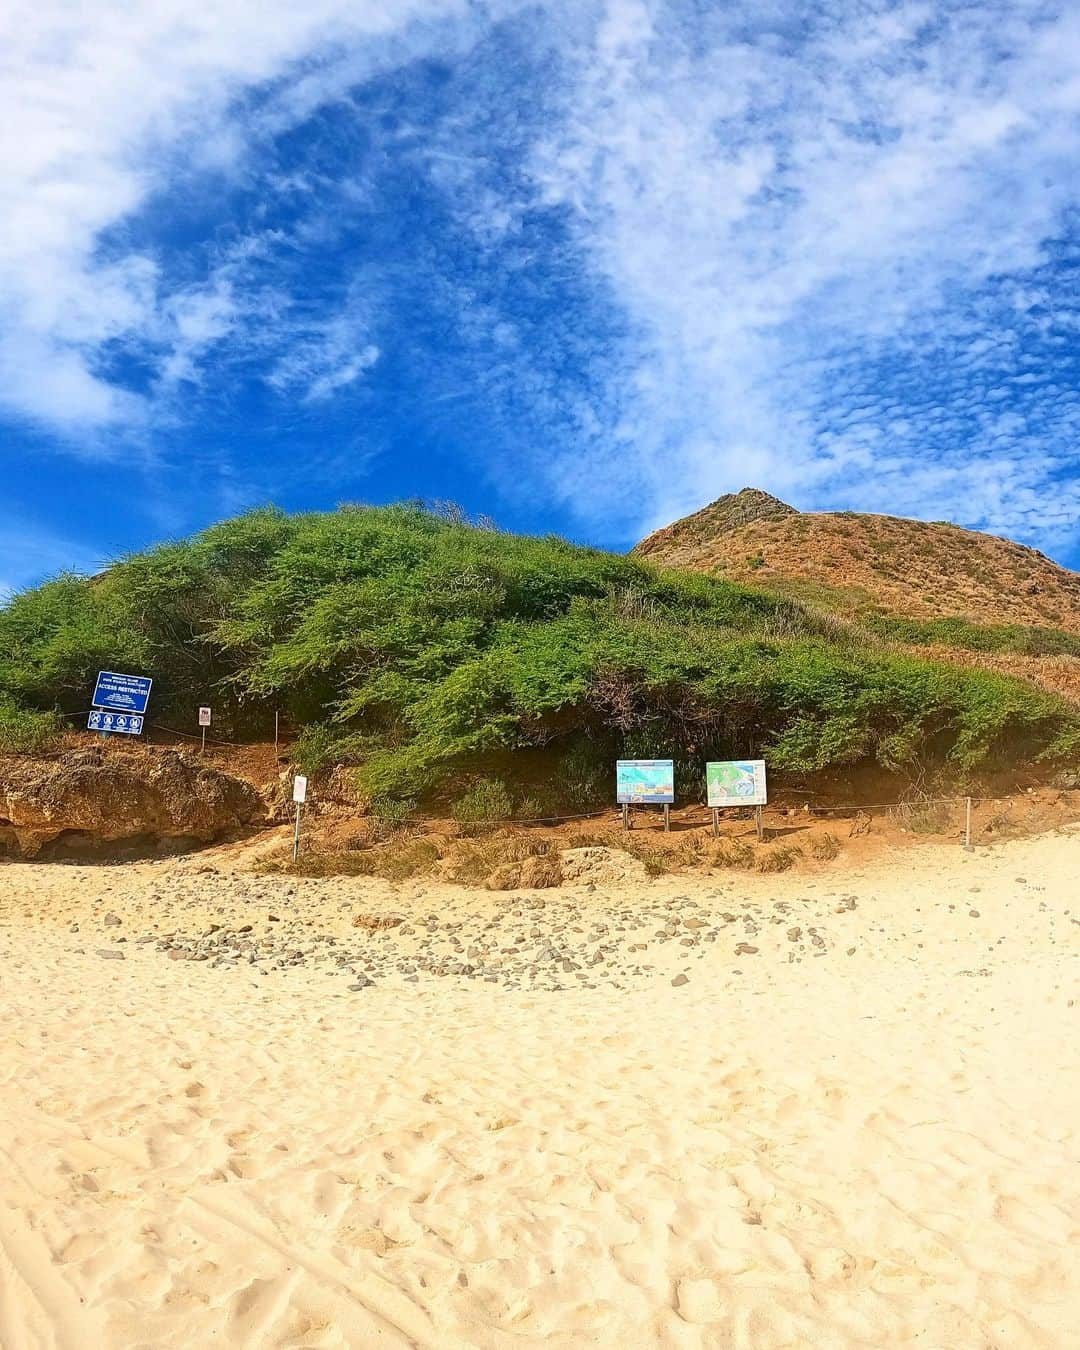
x,y
871,1150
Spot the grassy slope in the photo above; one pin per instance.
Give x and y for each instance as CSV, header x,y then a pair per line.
x,y
422,647
910,569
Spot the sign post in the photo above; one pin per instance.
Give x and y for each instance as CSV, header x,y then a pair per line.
x,y
644,782
736,782
299,796
204,722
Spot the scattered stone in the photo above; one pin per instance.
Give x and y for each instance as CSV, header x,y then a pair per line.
x,y
680,980
109,955
112,920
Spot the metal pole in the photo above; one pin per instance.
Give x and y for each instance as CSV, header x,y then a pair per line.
x,y
625,816
204,740
296,834
967,826
760,825
716,822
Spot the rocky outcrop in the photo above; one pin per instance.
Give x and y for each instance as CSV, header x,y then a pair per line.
x,y
95,800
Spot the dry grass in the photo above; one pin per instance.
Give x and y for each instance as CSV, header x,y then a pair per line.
x,y
779,858
503,862
922,815
732,853
947,570
823,847
397,861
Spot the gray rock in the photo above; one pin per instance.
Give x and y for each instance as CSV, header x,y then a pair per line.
x,y
108,955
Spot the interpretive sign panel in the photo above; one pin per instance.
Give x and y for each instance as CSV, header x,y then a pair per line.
x,y
736,782
123,693
645,781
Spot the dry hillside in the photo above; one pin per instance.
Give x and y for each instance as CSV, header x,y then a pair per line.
x,y
867,563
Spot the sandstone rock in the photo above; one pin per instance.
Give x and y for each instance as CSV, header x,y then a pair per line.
x,y
601,865
89,800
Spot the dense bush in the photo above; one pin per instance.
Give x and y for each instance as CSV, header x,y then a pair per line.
x,y
485,801
420,648
25,732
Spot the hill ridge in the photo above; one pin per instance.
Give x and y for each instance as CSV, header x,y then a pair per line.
x,y
864,562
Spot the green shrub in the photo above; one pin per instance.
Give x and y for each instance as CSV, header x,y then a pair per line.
x,y
23,732
321,745
392,813
419,647
485,802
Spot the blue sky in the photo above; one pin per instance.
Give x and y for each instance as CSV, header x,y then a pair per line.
x,y
578,266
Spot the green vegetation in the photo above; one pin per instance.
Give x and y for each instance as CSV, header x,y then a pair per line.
x,y
425,650
24,731
486,801
976,637
859,606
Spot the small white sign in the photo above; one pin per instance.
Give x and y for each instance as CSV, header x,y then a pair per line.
x,y
299,788
204,717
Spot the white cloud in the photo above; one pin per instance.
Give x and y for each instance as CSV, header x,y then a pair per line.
x,y
323,359
100,106
778,202
790,207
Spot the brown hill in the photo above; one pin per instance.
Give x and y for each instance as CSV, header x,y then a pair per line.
x,y
872,564
957,594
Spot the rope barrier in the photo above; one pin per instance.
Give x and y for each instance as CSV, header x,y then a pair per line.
x,y
805,809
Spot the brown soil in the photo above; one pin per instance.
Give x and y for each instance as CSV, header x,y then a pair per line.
x,y
537,856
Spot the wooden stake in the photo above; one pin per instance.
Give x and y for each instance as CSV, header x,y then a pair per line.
x,y
667,816
716,822
760,825
625,816
967,826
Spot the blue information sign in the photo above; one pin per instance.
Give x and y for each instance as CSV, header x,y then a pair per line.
x,y
127,723
644,781
122,693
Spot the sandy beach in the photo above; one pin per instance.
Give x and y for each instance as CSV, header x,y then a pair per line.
x,y
835,1109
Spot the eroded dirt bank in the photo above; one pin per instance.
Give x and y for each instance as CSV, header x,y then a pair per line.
x,y
95,800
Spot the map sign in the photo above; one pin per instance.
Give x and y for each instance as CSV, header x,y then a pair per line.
x,y
736,782
126,693
645,781
129,725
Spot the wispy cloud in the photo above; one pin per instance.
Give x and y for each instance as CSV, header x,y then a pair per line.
x,y
100,108
673,249
832,230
